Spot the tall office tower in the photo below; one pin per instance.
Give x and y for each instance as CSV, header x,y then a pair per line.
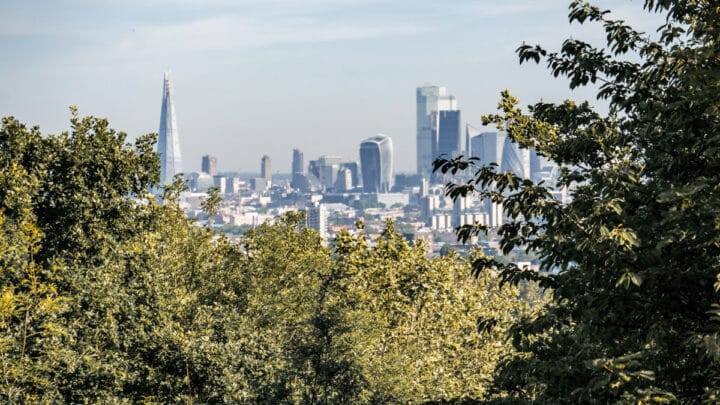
x,y
168,138
470,133
535,166
488,147
449,138
209,165
344,180
298,169
327,168
429,99
265,168
221,183
297,162
376,164
497,147
354,168
314,168
515,159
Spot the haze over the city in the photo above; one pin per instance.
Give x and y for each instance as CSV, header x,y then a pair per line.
x,y
261,77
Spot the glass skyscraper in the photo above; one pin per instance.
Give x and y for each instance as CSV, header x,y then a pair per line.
x,y
497,147
448,134
168,139
209,165
298,170
297,162
515,159
430,99
376,164
265,172
488,147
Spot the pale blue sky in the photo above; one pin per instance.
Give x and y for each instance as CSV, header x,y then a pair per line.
x,y
255,77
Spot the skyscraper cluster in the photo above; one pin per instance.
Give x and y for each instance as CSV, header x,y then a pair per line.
x,y
325,174
497,147
439,134
438,126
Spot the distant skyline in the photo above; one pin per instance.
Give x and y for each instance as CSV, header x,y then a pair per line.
x,y
263,77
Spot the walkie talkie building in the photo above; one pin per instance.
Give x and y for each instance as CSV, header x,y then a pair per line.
x,y
376,164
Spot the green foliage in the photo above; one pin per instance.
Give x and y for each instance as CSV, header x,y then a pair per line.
x,y
637,251
108,295
421,340
211,204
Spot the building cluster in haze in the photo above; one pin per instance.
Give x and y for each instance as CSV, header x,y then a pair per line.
x,y
335,192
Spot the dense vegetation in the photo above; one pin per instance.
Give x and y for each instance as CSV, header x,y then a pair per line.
x,y
635,312
108,296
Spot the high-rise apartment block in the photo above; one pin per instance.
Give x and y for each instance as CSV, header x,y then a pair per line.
x,y
376,164
209,165
316,217
168,139
430,100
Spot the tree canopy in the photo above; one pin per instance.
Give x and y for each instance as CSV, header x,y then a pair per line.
x,y
109,296
633,261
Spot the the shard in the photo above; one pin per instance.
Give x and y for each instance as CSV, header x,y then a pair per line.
x,y
168,138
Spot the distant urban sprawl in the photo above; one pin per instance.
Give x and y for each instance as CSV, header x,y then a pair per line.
x,y
335,193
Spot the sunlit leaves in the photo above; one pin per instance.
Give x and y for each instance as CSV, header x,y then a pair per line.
x,y
634,257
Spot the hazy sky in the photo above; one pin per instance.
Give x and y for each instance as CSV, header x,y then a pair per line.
x,y
254,77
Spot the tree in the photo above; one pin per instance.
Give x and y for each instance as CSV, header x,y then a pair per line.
x,y
31,310
637,249
415,333
211,203
107,296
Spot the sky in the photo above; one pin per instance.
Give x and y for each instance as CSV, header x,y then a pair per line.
x,y
262,77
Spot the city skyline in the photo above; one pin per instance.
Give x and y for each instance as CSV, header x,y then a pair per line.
x,y
305,75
